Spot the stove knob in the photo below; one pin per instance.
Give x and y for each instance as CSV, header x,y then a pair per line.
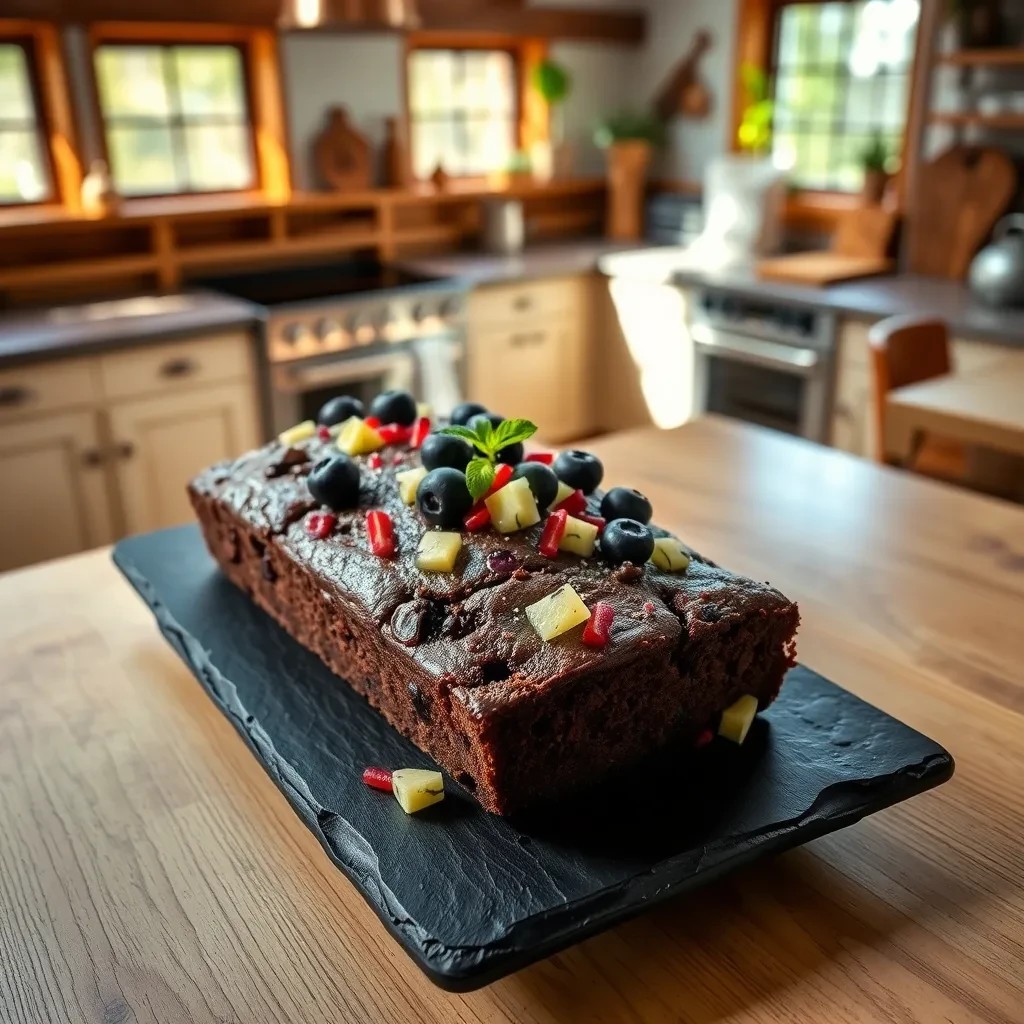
x,y
420,312
294,334
361,328
328,329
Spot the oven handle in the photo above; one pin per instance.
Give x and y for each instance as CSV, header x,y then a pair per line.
x,y
294,379
802,362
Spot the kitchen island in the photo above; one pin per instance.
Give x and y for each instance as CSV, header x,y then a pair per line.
x,y
130,806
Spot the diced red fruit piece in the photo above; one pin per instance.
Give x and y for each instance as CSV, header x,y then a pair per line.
x,y
502,474
397,460
420,431
554,530
477,517
394,433
372,421
375,461
704,739
598,521
546,457
320,524
324,433
574,504
597,631
378,778
381,532
649,607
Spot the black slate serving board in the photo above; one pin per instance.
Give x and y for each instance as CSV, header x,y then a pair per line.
x,y
472,896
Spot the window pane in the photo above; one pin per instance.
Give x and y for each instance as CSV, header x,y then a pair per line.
x,y
210,80
132,81
15,89
489,81
434,142
23,177
431,81
488,145
142,161
219,157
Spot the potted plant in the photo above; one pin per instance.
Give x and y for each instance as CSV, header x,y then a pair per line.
x,y
876,160
552,83
628,139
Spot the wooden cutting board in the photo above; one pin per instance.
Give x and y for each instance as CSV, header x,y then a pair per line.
x,y
958,198
822,268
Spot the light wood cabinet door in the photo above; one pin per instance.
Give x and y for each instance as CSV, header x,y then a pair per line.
x,y
55,498
162,442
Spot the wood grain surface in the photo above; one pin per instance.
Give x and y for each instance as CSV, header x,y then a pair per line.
x,y
127,803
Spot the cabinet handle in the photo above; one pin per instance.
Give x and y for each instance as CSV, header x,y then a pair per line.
x,y
175,368
10,397
522,340
124,449
92,457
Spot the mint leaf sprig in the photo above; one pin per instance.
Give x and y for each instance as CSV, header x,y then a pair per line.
x,y
489,440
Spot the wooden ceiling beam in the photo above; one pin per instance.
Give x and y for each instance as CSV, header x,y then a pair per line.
x,y
512,17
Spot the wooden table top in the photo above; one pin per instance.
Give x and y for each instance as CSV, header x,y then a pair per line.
x,y
976,407
130,891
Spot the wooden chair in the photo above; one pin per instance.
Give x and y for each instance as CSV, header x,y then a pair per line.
x,y
906,350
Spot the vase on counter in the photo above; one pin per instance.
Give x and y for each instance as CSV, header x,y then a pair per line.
x,y
628,160
396,154
876,181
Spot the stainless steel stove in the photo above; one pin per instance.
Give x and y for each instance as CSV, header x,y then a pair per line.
x,y
358,328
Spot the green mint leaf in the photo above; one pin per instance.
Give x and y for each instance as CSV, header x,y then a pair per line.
x,y
479,477
464,432
511,432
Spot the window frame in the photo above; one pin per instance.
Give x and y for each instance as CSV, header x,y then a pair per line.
x,y
756,44
128,35
529,112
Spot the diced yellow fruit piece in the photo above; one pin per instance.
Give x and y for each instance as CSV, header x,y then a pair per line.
x,y
513,507
409,482
557,613
356,438
737,718
579,537
563,492
670,555
416,788
437,551
300,432
424,409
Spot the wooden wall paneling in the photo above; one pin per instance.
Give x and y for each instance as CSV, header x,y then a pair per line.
x,y
269,118
929,22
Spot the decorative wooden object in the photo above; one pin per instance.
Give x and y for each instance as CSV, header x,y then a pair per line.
x,y
684,92
958,198
396,154
875,184
341,154
866,231
439,179
627,167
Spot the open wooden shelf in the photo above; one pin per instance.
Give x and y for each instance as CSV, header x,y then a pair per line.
x,y
1002,122
1004,56
31,276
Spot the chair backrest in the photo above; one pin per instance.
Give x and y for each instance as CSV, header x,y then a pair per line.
x,y
905,350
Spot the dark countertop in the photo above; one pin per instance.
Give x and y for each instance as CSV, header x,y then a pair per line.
x,y
870,299
543,260
33,334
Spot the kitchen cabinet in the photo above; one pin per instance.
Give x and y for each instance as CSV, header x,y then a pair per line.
x,y
530,353
94,448
853,418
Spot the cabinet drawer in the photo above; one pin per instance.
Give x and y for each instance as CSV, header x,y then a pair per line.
x,y
47,387
178,365
531,301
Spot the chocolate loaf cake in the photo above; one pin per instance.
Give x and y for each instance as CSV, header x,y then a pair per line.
x,y
455,660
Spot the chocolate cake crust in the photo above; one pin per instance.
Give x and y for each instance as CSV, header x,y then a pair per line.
x,y
451,660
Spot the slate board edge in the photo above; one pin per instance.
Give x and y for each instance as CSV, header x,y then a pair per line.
x,y
463,969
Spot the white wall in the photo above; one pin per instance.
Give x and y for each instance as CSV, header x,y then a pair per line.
x,y
363,72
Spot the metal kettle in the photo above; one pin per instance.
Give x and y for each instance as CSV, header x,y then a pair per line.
x,y
997,272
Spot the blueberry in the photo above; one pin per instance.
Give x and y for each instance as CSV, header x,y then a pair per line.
x,y
463,413
394,407
337,410
626,503
511,453
443,497
491,417
542,480
444,450
334,482
579,469
626,540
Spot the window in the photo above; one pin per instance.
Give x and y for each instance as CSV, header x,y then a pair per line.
x,y
176,118
462,109
842,77
24,172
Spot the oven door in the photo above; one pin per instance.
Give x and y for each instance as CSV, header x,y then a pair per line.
x,y
299,389
761,381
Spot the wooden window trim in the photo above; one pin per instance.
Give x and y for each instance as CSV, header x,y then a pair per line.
x,y
263,96
41,41
755,42
532,122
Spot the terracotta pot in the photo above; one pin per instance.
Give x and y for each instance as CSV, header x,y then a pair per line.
x,y
875,184
627,167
